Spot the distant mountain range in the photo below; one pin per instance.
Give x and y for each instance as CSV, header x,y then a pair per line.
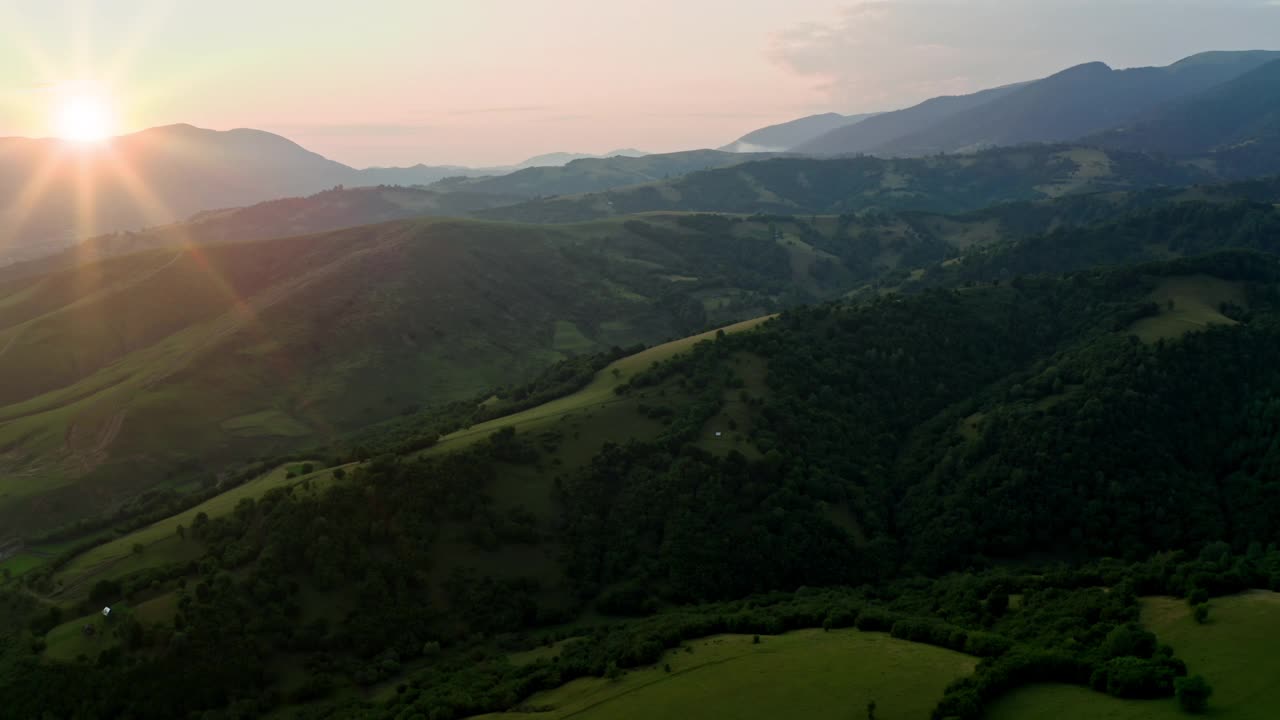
x,y
327,210
783,136
870,134
839,186
1216,109
597,174
56,193
1236,125
427,174
1066,106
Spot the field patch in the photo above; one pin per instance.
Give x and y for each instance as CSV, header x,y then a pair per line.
x,y
1091,165
1235,651
805,674
569,339
268,423
1187,304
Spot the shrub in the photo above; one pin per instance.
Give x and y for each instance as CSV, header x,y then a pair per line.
x,y
1201,613
1193,693
872,620
1132,677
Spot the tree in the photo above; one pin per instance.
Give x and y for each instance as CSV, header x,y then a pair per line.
x,y
1201,613
613,672
182,532
1193,693
871,710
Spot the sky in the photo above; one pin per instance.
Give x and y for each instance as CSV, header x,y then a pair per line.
x,y
490,82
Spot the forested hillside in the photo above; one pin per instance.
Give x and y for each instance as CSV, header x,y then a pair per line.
x,y
807,452
1236,126
944,184
596,174
1074,103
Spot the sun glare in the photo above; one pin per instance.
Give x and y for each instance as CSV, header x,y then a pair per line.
x,y
84,117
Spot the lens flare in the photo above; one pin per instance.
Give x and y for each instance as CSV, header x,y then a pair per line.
x,y
82,117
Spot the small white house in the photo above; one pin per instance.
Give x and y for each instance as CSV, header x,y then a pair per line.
x,y
106,612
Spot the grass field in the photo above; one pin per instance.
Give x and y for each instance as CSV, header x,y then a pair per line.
x,y
1235,651
597,394
1196,303
806,674
159,540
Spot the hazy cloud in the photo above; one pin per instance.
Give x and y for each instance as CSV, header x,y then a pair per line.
x,y
883,54
517,109
360,130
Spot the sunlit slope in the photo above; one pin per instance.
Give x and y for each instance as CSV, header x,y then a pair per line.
x,y
596,396
122,370
582,422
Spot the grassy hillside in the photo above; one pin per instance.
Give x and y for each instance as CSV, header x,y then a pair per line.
x,y
808,673
133,366
802,186
596,397
596,414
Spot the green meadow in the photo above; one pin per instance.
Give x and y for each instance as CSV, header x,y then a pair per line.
x,y
1235,651
808,673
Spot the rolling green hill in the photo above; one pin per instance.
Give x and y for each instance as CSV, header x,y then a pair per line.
x,y
133,367
596,174
807,673
111,378
802,186
324,211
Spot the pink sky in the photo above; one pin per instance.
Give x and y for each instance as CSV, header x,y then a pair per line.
x,y
495,81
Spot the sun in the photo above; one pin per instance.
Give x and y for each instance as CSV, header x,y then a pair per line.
x,y
84,117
